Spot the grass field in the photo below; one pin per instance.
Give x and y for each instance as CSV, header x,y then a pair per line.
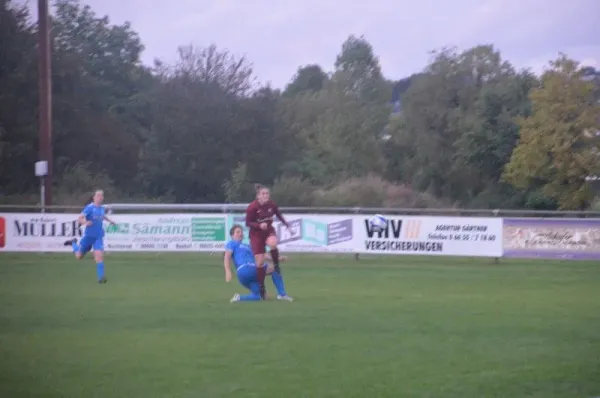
x,y
381,327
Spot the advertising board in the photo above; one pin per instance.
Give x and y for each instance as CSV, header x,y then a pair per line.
x,y
314,233
552,238
444,236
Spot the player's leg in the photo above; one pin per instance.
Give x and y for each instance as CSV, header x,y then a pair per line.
x,y
253,295
271,241
99,258
84,246
277,279
247,278
73,244
257,244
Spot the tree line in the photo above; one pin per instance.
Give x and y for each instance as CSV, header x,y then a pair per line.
x,y
469,130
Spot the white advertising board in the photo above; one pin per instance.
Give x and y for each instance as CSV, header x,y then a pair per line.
x,y
444,236
133,232
315,233
37,232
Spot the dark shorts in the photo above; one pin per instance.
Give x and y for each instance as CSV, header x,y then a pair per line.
x,y
258,240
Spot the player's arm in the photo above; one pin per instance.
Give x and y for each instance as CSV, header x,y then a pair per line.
x,y
280,216
109,220
227,263
87,211
251,217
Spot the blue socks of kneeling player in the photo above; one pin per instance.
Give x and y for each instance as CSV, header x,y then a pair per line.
x,y
250,297
278,282
100,270
75,246
254,293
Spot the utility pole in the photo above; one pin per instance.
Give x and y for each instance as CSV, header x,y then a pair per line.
x,y
45,99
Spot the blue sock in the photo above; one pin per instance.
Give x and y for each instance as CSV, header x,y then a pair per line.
x,y
100,270
250,297
75,246
278,282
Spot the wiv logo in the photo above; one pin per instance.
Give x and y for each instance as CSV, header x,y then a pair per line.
x,y
395,229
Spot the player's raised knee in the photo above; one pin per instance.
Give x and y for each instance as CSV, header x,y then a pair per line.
x,y
272,241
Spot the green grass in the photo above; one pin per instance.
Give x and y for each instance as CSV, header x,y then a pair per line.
x,y
381,327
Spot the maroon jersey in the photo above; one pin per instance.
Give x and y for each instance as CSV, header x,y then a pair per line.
x,y
257,214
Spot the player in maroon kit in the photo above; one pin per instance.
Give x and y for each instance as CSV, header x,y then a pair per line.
x,y
259,218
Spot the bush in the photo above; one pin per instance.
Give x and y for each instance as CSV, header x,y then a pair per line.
x,y
74,187
77,183
371,191
536,200
293,191
402,196
23,200
237,188
365,192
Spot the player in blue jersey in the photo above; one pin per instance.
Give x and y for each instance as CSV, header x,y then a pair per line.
x,y
92,216
243,260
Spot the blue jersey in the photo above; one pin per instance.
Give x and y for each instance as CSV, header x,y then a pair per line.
x,y
240,252
95,214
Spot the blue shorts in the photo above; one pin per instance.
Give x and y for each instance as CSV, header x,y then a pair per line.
x,y
246,274
88,243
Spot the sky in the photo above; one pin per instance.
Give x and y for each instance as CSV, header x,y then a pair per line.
x,y
278,36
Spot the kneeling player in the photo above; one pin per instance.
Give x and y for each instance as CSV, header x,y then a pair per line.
x,y
246,269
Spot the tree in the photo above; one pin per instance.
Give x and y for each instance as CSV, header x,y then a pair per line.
x,y
104,57
358,71
455,129
358,59
310,78
18,99
212,66
237,188
202,129
263,144
96,73
398,89
337,130
401,86
487,146
557,147
344,142
205,121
